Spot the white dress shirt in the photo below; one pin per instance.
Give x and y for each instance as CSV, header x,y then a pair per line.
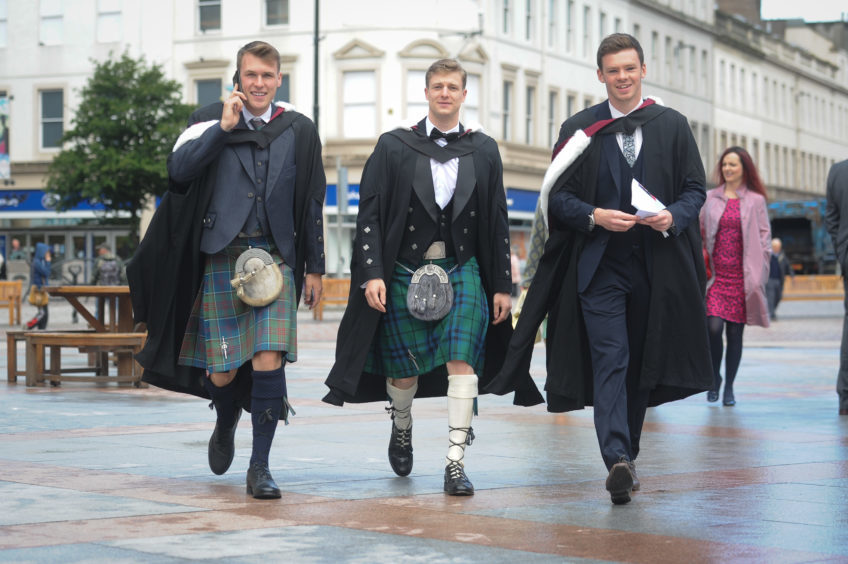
x,y
637,133
444,174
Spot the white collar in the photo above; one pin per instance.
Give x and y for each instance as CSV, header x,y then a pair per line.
x,y
615,113
266,117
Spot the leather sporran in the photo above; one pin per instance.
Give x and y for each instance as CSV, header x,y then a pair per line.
x,y
258,280
430,294
38,297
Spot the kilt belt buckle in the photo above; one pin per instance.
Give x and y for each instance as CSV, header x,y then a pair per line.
x,y
258,280
435,251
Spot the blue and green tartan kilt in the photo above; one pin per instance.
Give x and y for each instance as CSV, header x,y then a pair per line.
x,y
219,317
406,346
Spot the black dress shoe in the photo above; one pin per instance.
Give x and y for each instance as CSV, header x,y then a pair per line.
x,y
712,396
400,450
222,446
456,482
729,399
260,484
620,482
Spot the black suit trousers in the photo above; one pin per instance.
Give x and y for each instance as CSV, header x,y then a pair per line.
x,y
615,311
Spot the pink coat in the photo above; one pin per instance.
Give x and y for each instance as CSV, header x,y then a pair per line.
x,y
756,245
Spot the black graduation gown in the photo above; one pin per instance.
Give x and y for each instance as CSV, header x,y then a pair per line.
x,y
390,171
676,361
166,271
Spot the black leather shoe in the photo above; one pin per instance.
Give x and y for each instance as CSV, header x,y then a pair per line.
x,y
456,482
400,451
729,398
712,396
620,482
222,446
260,484
636,484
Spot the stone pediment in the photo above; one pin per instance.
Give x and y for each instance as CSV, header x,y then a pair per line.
x,y
473,53
358,49
424,49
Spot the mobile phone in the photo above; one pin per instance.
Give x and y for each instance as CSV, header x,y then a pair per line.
x,y
237,80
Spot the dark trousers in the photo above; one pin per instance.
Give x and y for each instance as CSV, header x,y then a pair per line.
x,y
615,311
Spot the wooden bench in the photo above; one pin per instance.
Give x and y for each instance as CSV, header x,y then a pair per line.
x,y
12,340
10,296
336,292
125,344
813,287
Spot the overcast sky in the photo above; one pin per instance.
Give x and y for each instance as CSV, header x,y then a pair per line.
x,y
810,10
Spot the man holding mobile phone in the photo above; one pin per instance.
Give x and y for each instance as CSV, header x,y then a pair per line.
x,y
246,184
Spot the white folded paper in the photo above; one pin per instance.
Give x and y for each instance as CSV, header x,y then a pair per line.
x,y
646,204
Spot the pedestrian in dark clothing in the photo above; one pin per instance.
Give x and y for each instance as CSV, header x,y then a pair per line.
x,y
779,268
39,275
836,220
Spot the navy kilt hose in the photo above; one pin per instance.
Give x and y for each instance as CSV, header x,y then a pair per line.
x,y
220,318
406,346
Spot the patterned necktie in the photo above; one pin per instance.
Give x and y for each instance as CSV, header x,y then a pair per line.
x,y
257,123
628,147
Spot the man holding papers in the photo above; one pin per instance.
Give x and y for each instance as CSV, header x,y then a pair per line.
x,y
622,277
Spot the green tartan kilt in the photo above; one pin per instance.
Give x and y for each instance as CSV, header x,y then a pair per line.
x,y
406,346
219,317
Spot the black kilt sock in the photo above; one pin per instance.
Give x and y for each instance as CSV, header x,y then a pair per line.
x,y
224,399
266,405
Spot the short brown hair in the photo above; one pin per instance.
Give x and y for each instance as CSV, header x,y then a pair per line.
x,y
616,43
261,50
443,66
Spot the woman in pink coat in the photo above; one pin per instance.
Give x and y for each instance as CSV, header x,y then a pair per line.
x,y
737,235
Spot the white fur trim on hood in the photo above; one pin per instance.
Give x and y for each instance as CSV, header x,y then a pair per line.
x,y
575,146
193,132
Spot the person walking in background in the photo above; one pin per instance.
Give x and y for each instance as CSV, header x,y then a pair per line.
x,y
779,268
836,221
108,269
39,276
737,236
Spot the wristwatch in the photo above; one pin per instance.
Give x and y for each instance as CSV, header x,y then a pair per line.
x,y
592,220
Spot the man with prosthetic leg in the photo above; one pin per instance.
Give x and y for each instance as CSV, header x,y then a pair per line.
x,y
431,277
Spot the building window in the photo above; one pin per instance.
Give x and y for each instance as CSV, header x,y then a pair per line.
x,y
528,20
570,105
602,25
506,16
587,34
359,93
655,51
705,71
553,24
617,25
52,118
276,12
471,107
553,117
4,17
507,110
668,56
51,22
637,32
416,101
587,102
208,91
284,90
209,12
108,21
530,116
569,26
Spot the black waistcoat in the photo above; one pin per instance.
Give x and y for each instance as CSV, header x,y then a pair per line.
x,y
622,244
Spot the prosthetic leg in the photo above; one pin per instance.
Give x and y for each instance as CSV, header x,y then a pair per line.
x,y
268,400
400,443
462,389
222,443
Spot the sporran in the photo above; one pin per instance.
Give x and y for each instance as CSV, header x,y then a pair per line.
x,y
258,280
430,294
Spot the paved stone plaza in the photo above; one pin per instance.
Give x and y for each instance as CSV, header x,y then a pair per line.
x,y
102,473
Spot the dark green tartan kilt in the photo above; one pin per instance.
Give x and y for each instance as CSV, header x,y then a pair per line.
x,y
220,317
406,346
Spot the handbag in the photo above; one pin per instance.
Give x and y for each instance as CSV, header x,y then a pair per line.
x,y
707,263
38,297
